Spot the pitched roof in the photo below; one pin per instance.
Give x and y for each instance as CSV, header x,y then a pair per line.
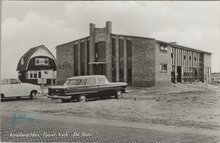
x,y
26,57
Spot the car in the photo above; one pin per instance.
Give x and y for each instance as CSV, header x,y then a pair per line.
x,y
82,88
13,87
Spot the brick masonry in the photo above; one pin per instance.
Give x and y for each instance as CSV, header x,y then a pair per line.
x,y
64,62
146,58
143,62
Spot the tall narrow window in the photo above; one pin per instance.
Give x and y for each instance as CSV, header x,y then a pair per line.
x,y
75,60
129,56
88,57
82,57
100,51
121,60
113,60
39,74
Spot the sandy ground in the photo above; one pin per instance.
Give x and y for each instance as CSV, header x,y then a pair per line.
x,y
194,105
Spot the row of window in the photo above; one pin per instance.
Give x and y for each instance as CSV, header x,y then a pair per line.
x,y
36,74
184,57
41,61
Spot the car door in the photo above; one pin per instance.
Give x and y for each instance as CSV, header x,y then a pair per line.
x,y
16,88
105,89
92,87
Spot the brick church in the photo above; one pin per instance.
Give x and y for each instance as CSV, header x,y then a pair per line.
x,y
139,61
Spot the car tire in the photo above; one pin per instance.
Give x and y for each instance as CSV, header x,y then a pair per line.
x,y
64,100
119,94
2,97
82,98
33,94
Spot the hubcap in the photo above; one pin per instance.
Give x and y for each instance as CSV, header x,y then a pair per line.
x,y
82,98
119,94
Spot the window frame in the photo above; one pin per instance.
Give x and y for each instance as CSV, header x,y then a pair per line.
x,y
163,48
163,67
96,83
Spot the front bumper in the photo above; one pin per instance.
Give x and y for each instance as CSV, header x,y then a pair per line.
x,y
58,97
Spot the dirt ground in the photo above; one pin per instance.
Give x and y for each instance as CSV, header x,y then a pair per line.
x,y
195,105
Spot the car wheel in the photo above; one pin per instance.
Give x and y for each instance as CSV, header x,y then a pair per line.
x,y
82,98
2,97
64,100
33,94
119,94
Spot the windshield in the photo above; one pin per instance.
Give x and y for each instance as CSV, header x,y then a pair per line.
x,y
71,82
4,81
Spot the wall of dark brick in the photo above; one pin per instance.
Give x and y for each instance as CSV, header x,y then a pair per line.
x,y
143,62
64,62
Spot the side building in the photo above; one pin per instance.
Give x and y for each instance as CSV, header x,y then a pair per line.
x,y
139,61
35,64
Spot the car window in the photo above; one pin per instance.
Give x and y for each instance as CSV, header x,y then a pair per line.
x,y
4,81
14,81
71,82
91,81
101,80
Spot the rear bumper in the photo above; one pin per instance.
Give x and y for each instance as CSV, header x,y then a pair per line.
x,y
58,97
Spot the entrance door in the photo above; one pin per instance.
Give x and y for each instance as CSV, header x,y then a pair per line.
x,y
179,74
99,69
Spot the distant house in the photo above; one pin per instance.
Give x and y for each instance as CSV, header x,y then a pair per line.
x,y
36,65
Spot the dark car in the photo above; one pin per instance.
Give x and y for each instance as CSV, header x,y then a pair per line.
x,y
84,87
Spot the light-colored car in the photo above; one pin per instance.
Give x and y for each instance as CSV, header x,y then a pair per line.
x,y
13,87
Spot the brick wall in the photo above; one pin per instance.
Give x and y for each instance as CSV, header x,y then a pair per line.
x,y
162,77
143,62
64,62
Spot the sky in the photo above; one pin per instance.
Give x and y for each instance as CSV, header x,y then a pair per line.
x,y
29,24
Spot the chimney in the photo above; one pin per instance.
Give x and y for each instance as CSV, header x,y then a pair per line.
x,y
109,27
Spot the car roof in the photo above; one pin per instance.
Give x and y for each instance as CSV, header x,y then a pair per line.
x,y
85,76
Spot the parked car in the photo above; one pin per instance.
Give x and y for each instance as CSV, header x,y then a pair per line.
x,y
15,88
84,87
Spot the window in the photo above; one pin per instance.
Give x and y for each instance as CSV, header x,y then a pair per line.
x,y
163,67
189,57
4,81
171,55
91,81
35,75
22,61
163,48
39,74
75,60
101,80
82,56
195,59
37,61
41,61
184,57
31,75
14,81
72,82
46,61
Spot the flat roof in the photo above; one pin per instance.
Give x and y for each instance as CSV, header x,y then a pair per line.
x,y
183,47
71,42
159,41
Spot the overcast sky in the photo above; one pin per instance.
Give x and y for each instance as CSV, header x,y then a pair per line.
x,y
28,24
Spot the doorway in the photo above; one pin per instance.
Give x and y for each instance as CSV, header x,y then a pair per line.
x,y
179,74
